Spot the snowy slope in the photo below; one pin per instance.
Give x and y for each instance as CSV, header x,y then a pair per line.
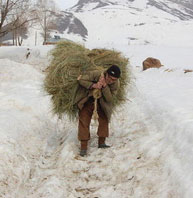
x,y
140,22
167,22
179,9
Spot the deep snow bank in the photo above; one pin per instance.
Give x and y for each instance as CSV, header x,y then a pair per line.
x,y
38,56
24,123
167,103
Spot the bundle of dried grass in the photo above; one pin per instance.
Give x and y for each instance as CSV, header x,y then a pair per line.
x,y
71,60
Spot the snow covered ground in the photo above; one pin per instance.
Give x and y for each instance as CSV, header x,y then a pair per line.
x,y
151,135
38,56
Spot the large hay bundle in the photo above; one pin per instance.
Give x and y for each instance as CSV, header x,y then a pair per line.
x,y
71,60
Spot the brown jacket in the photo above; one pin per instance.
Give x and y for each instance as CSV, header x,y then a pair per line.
x,y
84,92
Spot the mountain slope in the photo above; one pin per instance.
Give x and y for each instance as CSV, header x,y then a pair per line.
x,y
116,23
113,23
69,23
182,10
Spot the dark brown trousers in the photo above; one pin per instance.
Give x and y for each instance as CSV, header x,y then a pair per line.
x,y
85,115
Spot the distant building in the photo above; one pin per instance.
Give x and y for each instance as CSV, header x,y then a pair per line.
x,y
55,40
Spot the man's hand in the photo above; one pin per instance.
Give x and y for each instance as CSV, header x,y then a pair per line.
x,y
102,81
100,84
97,85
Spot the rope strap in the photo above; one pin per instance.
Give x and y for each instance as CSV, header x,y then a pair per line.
x,y
96,95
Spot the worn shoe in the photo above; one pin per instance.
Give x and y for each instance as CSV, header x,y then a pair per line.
x,y
103,146
83,153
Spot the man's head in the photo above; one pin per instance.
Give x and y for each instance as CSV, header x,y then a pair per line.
x,y
113,73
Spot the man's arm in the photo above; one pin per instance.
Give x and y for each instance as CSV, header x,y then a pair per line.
x,y
109,91
90,80
85,81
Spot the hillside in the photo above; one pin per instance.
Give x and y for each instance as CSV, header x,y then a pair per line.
x,y
112,23
139,22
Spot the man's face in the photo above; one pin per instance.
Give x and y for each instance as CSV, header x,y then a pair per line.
x,y
110,79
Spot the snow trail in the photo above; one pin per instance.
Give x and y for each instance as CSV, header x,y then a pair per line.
x,y
125,170
40,154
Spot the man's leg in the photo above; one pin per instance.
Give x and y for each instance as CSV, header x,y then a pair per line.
x,y
85,115
103,129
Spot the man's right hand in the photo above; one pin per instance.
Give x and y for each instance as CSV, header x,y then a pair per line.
x,y
102,81
97,85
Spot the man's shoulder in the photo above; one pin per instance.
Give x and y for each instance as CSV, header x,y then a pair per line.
x,y
95,73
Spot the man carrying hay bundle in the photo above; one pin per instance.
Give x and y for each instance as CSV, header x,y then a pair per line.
x,y
82,82
95,96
